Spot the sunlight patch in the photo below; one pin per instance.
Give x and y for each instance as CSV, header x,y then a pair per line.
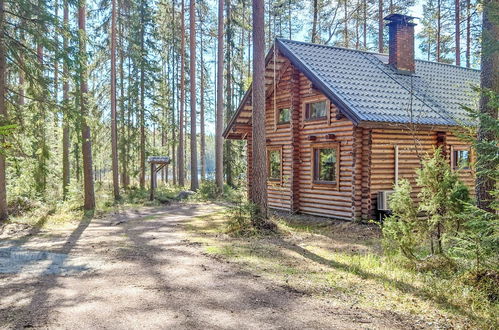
x,y
17,260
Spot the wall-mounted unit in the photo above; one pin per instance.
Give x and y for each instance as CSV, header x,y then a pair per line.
x,y
383,200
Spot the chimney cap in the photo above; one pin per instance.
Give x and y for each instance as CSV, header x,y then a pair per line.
x,y
400,19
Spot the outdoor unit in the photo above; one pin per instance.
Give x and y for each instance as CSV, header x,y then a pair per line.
x,y
383,198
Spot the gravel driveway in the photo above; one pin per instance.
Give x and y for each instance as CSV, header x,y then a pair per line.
x,y
136,269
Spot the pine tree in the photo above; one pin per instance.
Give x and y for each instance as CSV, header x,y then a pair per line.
x,y
88,175
259,168
114,126
65,96
489,85
3,113
220,101
181,151
192,80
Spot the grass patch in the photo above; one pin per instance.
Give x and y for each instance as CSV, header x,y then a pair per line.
x,y
58,214
343,261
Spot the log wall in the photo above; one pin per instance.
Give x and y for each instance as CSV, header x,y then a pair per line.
x,y
296,191
366,155
413,146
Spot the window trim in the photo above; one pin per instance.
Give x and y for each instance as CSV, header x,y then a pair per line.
x,y
453,159
278,112
327,145
319,119
269,179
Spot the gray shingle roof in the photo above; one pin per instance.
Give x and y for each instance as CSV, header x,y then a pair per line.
x,y
368,89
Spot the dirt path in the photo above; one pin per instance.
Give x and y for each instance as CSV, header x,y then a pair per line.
x,y
138,270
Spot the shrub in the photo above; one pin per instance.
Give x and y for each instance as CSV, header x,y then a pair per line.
x,y
478,241
20,205
239,220
208,190
400,230
442,200
442,196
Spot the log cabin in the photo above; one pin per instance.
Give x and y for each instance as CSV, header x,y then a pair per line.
x,y
344,125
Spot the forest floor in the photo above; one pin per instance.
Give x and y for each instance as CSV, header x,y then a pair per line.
x,y
170,267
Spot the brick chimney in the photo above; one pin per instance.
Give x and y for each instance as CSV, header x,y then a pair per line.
x,y
401,43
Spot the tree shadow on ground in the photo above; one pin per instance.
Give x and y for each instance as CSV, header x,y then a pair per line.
x,y
404,287
30,314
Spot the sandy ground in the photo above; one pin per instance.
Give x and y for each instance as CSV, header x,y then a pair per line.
x,y
137,269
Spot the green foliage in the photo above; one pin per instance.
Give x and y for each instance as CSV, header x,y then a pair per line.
x,y
442,200
7,129
441,197
208,190
400,230
487,150
478,241
240,220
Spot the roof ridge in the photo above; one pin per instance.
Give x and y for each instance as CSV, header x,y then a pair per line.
x,y
373,53
330,46
449,65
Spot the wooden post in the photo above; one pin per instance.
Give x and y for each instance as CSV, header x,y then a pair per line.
x,y
153,181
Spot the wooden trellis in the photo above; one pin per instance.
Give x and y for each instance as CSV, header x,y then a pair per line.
x,y
157,163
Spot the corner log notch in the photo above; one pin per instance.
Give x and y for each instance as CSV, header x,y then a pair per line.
x,y
162,161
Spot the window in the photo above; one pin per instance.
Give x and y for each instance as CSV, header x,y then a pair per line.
x,y
325,163
274,164
316,110
461,159
283,116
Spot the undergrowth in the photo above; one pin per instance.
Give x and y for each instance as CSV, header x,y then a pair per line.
x,y
44,212
344,262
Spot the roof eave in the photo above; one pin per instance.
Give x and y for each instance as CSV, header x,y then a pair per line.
x,y
232,121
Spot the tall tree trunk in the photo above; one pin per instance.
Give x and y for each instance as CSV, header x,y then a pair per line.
x,y
202,113
229,104
174,96
181,151
468,33
114,126
259,175
364,25
123,142
142,99
41,173
219,171
21,100
380,26
88,176
314,22
192,80
65,121
485,184
458,31
345,24
439,28
56,61
3,113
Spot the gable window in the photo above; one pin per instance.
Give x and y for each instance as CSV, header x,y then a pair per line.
x,y
283,116
274,164
325,163
461,159
316,110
